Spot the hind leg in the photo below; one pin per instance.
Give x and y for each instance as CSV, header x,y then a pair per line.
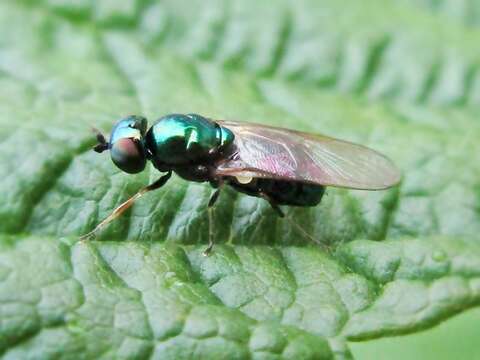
x,y
294,224
272,203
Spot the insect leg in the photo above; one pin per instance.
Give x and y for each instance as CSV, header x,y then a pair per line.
x,y
307,236
211,202
301,230
272,203
127,204
214,198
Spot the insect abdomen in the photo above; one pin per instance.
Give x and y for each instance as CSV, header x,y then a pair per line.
x,y
283,192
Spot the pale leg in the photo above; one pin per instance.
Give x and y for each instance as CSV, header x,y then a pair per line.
x,y
127,204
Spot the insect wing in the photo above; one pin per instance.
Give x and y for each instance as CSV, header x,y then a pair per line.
x,y
269,152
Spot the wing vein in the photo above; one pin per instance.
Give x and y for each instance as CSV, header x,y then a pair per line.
x,y
264,151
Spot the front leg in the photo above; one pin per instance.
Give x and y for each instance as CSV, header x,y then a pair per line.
x,y
127,204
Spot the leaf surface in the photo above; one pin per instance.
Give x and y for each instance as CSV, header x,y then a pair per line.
x,y
402,260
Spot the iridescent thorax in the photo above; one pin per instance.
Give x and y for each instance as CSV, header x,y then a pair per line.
x,y
177,140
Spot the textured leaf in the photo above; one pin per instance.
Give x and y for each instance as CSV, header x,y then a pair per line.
x,y
391,75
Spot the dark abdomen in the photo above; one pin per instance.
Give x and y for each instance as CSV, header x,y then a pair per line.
x,y
283,192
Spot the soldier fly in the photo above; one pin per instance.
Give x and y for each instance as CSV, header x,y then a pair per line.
x,y
284,167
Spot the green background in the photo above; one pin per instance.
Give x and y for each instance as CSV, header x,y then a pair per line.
x,y
455,339
399,76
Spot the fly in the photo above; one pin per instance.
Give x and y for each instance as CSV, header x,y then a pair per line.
x,y
281,166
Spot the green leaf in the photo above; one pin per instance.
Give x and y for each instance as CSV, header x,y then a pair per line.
x,y
394,76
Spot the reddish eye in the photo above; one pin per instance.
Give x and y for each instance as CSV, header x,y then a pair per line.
x,y
128,155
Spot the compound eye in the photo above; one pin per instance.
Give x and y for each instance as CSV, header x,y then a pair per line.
x,y
128,155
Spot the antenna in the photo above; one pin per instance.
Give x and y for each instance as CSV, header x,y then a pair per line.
x,y
102,142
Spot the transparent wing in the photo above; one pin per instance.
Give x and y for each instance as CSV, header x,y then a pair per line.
x,y
269,152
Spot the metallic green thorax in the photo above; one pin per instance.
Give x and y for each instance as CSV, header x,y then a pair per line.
x,y
176,140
